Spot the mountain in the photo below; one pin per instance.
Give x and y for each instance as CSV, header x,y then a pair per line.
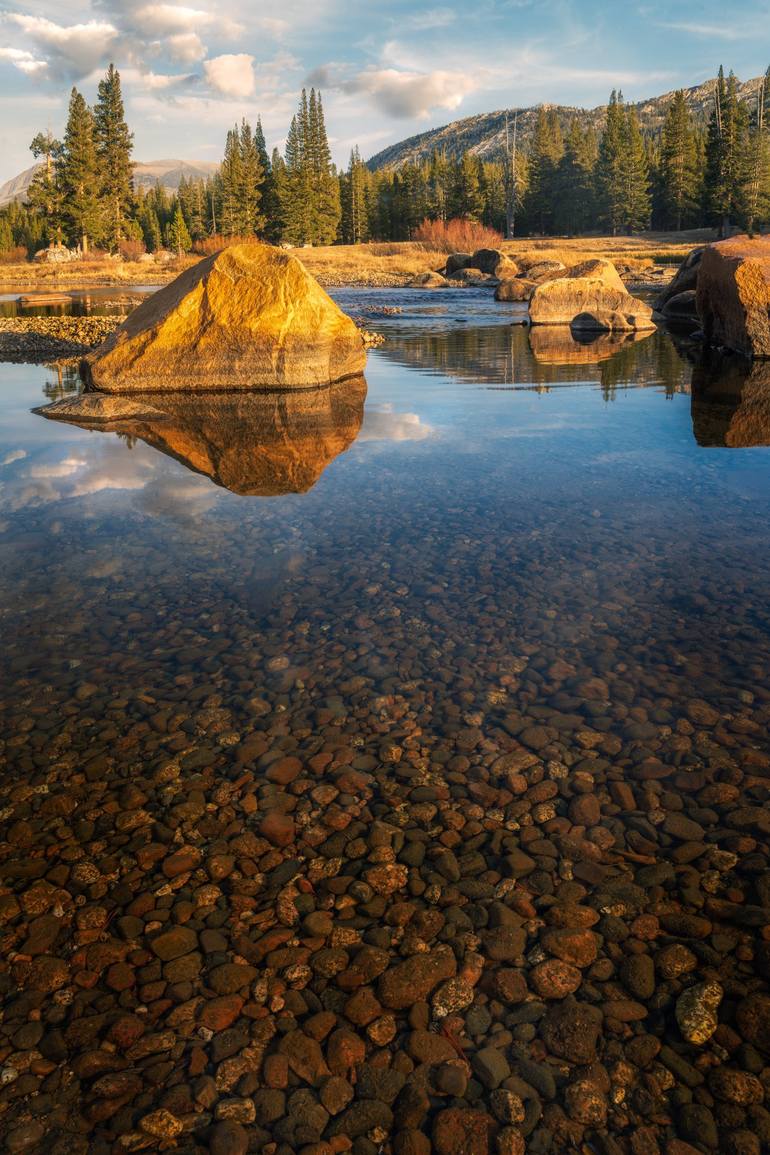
x,y
485,134
168,173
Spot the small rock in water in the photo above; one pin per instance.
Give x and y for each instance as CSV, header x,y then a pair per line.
x,y
696,1012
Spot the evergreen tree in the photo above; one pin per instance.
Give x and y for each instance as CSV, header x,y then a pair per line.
x,y
758,186
679,173
177,235
354,226
230,182
269,200
575,199
44,193
278,194
325,193
611,165
252,175
78,175
296,187
466,198
114,144
637,203
545,155
727,155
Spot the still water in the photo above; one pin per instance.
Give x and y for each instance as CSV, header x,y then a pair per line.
x,y
480,648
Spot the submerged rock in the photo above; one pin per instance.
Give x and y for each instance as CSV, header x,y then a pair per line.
x,y
248,316
257,444
734,295
696,1011
593,287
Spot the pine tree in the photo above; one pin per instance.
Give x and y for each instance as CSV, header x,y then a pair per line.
x,y
269,199
679,173
278,193
575,200
230,182
354,226
466,199
177,235
114,144
545,154
325,193
44,193
637,206
611,165
249,193
728,164
78,175
296,187
758,186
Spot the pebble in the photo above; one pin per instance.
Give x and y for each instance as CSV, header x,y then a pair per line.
x,y
696,1012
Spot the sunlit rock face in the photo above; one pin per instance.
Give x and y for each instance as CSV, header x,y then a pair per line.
x,y
249,316
591,289
731,402
733,295
259,444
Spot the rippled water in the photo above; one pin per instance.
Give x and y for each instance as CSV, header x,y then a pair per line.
x,y
502,541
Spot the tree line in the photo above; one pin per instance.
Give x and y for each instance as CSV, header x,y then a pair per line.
x,y
570,179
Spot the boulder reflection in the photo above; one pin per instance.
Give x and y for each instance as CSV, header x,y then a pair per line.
x,y
730,402
257,444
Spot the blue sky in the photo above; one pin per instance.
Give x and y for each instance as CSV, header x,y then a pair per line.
x,y
387,68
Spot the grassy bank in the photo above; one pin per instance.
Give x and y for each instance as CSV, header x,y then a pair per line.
x,y
385,264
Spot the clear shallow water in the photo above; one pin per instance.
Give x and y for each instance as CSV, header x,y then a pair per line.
x,y
515,545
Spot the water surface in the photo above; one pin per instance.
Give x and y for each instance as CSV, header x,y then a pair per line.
x,y
520,561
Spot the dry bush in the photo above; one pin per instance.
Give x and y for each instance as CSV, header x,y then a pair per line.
x,y
95,257
457,236
205,246
131,249
13,256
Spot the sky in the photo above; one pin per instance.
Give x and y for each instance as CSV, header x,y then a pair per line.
x,y
387,68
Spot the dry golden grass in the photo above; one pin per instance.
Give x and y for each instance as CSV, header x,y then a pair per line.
x,y
386,264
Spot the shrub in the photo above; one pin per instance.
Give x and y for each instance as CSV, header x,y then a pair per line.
x,y
205,246
131,249
95,256
13,256
457,236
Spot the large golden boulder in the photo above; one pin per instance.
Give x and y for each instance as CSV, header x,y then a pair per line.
x,y
733,295
593,287
246,317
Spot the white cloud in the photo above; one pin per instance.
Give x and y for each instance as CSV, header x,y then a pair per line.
x,y
231,74
186,47
73,50
407,94
170,19
24,61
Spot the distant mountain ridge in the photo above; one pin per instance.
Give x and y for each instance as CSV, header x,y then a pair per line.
x,y
167,173
484,134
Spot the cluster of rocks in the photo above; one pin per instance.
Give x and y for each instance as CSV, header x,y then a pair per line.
x,y
41,339
534,936
589,296
722,291
485,267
